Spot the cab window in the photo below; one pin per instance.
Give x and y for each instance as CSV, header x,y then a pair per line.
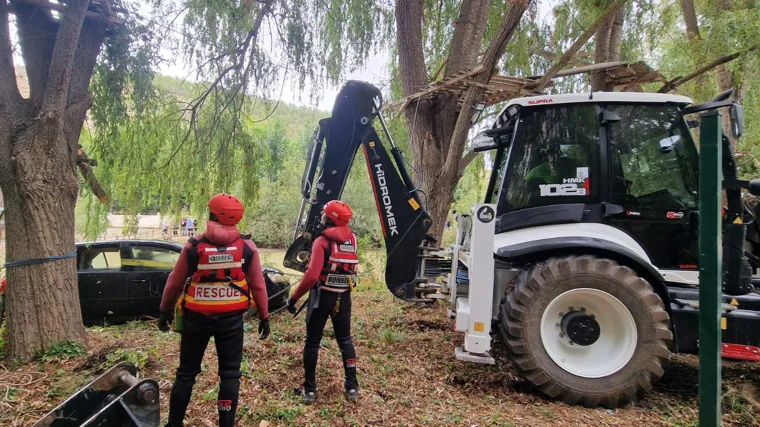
x,y
554,158
653,159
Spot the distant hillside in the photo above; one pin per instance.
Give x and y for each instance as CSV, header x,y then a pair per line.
x,y
297,121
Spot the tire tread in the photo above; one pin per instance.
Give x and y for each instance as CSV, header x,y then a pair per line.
x,y
513,323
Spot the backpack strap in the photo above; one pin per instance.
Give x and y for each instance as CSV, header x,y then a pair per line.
x,y
192,255
247,259
247,254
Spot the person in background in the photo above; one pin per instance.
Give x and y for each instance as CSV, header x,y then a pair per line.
x,y
216,276
183,226
329,279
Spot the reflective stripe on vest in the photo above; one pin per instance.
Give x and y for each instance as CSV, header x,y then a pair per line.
x,y
210,290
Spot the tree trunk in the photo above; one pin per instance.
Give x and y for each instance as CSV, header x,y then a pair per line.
x,y
38,178
601,52
43,299
690,18
726,81
607,49
436,146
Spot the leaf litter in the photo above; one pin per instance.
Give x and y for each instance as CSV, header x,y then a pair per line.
x,y
408,375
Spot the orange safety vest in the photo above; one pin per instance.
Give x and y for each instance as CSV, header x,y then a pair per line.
x,y
218,283
341,262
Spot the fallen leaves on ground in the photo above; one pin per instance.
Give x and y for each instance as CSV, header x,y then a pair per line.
x,y
407,372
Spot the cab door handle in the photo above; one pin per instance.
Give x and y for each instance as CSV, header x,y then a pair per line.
x,y
609,209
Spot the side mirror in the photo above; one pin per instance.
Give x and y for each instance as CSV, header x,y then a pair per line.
x,y
483,142
667,144
736,112
610,117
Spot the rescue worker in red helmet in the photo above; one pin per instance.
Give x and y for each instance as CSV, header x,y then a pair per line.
x,y
215,278
329,279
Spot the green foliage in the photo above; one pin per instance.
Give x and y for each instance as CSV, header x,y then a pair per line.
x,y
138,357
390,336
62,351
161,150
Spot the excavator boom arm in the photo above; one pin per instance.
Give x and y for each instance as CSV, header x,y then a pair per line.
x,y
403,219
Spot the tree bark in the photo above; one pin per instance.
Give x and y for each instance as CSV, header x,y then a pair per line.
x,y
437,129
726,81
601,53
690,18
38,174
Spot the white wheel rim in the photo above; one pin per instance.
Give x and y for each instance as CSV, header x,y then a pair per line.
x,y
617,338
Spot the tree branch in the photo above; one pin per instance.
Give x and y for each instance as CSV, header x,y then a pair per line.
x,y
241,53
468,36
9,93
61,63
690,18
84,163
475,94
579,43
409,39
602,42
720,61
79,99
466,160
37,34
576,60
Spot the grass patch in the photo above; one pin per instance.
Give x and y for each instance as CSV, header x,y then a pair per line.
x,y
62,351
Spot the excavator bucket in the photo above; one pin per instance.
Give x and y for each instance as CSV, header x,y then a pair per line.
x,y
116,398
329,159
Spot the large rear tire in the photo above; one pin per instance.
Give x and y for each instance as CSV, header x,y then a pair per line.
x,y
586,331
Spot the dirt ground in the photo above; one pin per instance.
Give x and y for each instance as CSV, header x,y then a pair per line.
x,y
407,372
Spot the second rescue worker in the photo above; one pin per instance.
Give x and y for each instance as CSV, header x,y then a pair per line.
x,y
329,279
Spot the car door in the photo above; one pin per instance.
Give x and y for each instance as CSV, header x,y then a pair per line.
x,y
103,293
653,164
148,265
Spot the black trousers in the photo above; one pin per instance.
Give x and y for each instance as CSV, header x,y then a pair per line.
x,y
336,307
227,330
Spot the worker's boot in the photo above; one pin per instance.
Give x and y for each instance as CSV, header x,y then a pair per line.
x,y
352,395
309,397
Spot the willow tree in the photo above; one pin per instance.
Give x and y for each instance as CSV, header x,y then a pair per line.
x,y
38,175
39,135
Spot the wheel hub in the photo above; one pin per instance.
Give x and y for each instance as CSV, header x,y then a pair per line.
x,y
581,328
572,322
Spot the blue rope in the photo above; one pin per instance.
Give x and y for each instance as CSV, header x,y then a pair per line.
x,y
40,260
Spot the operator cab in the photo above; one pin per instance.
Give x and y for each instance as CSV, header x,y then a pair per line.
x,y
625,160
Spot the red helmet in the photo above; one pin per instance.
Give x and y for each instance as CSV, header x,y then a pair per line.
x,y
338,212
226,208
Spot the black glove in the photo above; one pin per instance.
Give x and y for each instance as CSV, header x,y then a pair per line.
x,y
263,329
291,306
165,320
